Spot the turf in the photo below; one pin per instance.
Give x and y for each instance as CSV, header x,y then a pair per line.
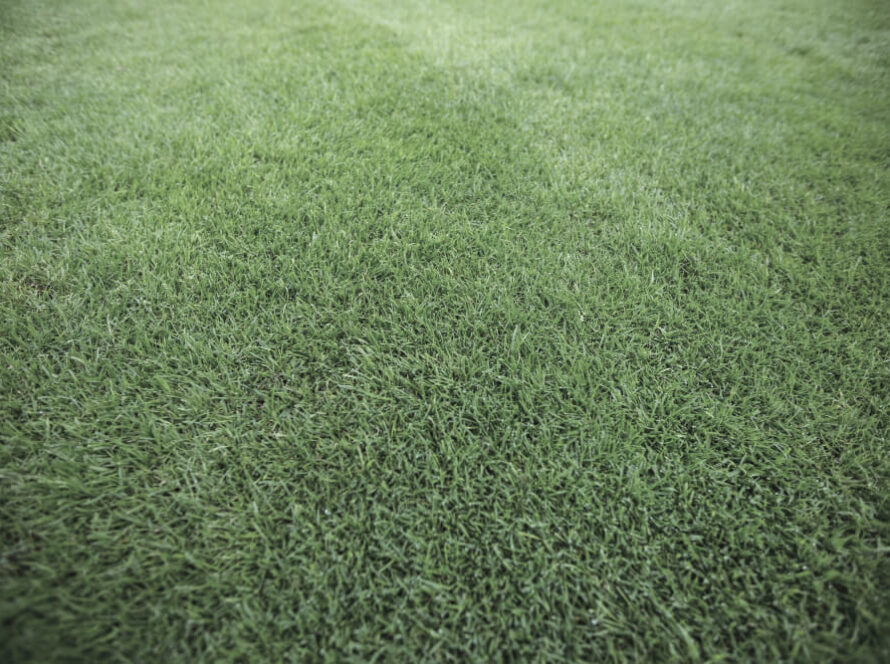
x,y
444,331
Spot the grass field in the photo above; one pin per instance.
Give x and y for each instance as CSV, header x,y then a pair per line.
x,y
444,331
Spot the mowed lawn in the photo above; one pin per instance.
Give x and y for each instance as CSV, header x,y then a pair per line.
x,y
389,330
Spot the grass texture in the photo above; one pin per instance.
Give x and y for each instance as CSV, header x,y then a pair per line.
x,y
533,331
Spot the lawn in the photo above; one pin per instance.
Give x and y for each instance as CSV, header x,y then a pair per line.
x,y
389,330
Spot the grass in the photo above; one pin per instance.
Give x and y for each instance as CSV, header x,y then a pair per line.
x,y
444,331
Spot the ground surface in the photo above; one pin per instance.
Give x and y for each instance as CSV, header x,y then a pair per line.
x,y
545,331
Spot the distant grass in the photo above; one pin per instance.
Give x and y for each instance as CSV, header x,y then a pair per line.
x,y
408,331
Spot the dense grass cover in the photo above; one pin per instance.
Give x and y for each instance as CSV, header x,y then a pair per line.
x,y
446,331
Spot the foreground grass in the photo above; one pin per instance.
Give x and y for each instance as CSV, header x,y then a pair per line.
x,y
544,331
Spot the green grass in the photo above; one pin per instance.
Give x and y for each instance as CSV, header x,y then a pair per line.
x,y
444,331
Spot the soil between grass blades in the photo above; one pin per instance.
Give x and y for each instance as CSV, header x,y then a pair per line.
x,y
444,331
